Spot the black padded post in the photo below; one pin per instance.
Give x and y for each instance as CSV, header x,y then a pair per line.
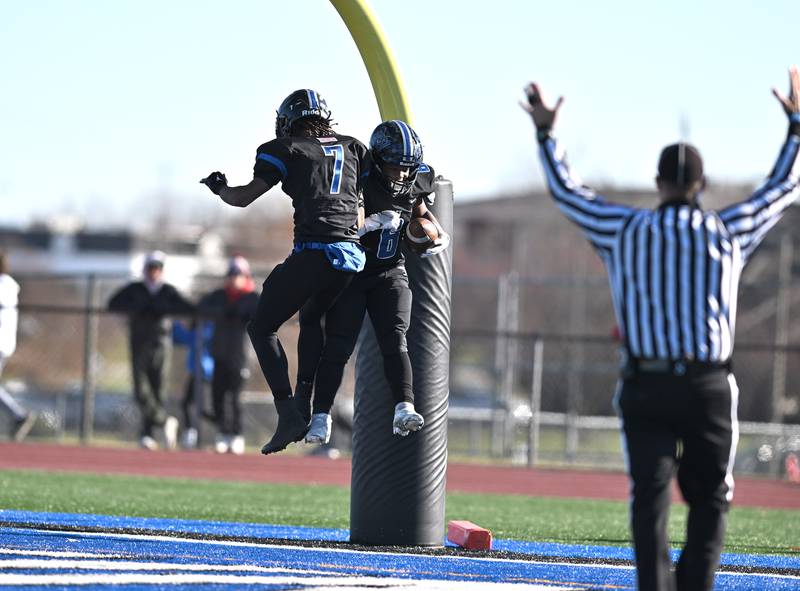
x,y
398,483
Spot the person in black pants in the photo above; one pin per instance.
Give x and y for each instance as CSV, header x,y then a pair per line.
x,y
674,274
400,181
321,171
148,304
230,308
191,406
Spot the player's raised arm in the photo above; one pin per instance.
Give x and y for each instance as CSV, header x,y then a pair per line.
x,y
241,196
270,168
599,220
750,220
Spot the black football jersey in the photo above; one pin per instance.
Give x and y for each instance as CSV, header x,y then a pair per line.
x,y
322,176
383,246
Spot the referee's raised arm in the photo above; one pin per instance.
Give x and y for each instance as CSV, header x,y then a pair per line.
x,y
600,221
750,220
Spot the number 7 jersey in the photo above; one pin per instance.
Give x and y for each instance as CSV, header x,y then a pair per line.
x,y
322,176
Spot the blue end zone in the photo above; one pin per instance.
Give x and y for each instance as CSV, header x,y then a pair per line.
x,y
130,561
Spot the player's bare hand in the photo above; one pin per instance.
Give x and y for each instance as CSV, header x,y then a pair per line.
x,y
215,181
790,104
543,116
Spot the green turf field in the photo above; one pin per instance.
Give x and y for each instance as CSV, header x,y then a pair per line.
x,y
568,521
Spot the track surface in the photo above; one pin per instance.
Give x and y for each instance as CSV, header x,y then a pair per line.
x,y
304,469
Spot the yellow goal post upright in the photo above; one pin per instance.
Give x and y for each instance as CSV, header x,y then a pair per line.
x,y
398,483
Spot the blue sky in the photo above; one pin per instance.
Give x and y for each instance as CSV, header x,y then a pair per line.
x,y
108,106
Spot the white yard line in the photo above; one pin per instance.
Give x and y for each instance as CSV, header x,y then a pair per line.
x,y
332,582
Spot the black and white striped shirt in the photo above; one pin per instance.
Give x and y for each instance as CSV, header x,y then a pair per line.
x,y
675,271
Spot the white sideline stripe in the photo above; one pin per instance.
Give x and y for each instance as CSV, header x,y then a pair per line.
x,y
58,554
133,565
334,582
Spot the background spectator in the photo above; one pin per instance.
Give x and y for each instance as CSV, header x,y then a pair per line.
x,y
186,337
232,306
148,303
9,298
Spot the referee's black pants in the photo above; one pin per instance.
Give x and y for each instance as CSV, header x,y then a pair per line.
x,y
305,279
685,421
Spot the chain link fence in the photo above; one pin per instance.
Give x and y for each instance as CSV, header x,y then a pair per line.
x,y
503,404
533,398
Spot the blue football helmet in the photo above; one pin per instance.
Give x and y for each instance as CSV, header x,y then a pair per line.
x,y
394,144
299,105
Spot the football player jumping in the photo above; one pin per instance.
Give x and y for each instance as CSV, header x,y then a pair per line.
x,y
397,180
321,171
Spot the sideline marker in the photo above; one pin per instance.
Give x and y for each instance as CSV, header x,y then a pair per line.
x,y
468,535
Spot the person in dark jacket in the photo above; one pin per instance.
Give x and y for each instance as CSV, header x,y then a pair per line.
x,y
148,304
231,308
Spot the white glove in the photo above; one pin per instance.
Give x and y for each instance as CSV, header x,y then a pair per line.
x,y
388,218
439,245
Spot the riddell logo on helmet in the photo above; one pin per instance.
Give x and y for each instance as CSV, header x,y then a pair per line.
x,y
306,112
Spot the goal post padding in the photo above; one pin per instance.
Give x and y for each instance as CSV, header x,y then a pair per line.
x,y
398,483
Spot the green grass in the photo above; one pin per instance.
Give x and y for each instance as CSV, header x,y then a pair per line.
x,y
569,521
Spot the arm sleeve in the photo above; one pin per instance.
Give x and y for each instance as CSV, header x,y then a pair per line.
x,y
172,302
181,305
122,300
425,185
599,221
364,167
271,163
749,221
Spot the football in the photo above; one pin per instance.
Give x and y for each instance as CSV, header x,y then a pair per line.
x,y
420,234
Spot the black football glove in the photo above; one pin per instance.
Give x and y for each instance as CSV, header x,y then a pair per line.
x,y
215,181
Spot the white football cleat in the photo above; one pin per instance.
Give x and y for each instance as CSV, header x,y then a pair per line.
x,y
189,438
236,446
406,419
148,443
320,430
222,444
171,433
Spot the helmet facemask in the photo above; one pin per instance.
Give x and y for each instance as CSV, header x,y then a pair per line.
x,y
397,178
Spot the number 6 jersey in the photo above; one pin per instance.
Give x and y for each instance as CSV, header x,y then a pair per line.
x,y
383,246
321,175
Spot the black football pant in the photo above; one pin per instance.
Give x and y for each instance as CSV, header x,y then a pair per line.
x,y
289,287
226,388
149,363
387,298
686,422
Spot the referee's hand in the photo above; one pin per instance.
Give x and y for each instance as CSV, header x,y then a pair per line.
x,y
543,117
791,104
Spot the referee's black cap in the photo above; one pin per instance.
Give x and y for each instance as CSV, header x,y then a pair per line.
x,y
680,164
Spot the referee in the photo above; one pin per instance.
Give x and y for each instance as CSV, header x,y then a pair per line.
x,y
674,274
